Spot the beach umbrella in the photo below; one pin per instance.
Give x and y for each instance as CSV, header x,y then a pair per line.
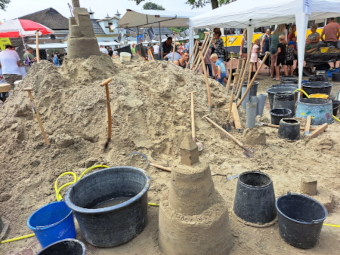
x,y
20,28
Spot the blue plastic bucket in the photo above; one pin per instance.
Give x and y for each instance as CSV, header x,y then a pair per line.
x,y
52,223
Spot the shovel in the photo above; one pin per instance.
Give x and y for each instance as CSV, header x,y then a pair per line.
x,y
109,117
248,153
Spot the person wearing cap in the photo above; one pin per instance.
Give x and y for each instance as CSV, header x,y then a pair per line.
x,y
290,57
10,62
29,58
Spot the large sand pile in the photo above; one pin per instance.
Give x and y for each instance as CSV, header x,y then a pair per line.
x,y
150,108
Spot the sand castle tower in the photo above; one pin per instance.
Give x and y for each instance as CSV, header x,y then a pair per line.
x,y
82,42
193,216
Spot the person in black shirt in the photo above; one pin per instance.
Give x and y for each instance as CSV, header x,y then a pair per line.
x,y
166,46
281,57
110,51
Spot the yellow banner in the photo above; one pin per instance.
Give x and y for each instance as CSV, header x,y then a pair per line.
x,y
4,42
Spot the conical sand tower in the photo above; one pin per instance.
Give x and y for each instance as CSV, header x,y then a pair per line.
x,y
193,216
82,42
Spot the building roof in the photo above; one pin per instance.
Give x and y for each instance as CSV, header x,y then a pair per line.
x,y
50,18
97,28
164,30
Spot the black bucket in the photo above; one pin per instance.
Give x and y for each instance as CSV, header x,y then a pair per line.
x,y
110,205
255,198
278,114
126,48
290,88
336,105
289,79
300,219
289,129
64,247
335,76
284,100
253,90
319,77
317,87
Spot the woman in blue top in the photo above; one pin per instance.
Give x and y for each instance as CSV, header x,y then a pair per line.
x,y
265,43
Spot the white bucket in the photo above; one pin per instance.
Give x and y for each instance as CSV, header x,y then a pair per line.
x,y
125,57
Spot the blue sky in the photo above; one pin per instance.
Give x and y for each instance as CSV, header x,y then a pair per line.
x,y
19,8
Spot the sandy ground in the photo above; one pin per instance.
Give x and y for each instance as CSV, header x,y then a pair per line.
x,y
27,181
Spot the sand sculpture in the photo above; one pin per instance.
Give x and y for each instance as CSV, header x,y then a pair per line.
x,y
193,217
82,42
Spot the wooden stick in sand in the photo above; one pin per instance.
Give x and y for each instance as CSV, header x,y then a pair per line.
x,y
252,80
109,117
245,67
230,72
194,52
174,48
308,122
37,115
206,83
198,60
205,52
318,131
37,46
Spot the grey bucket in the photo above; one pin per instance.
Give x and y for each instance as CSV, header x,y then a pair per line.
x,y
281,88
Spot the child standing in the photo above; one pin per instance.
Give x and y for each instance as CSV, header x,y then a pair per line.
x,y
281,57
254,55
290,57
221,71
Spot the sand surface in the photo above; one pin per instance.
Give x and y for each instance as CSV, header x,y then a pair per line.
x,y
150,109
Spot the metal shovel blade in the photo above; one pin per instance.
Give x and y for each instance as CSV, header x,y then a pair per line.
x,y
248,153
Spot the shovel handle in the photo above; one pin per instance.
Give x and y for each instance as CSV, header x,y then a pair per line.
x,y
106,82
227,133
161,167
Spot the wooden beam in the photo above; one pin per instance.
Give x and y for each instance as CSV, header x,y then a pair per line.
x,y
236,116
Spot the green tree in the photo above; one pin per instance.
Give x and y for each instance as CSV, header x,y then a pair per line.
x,y
4,3
152,6
214,3
198,3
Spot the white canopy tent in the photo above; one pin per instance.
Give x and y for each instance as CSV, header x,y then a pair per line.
x,y
149,18
249,14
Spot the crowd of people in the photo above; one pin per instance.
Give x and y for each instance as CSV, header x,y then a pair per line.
x,y
281,43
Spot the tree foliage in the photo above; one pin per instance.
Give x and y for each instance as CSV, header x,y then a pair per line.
x,y
152,6
4,3
197,3
214,3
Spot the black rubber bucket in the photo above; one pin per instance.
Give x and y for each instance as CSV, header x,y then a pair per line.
x,y
126,48
64,247
255,198
289,79
319,77
317,87
300,219
336,105
290,88
289,129
278,114
110,205
285,100
253,90
335,76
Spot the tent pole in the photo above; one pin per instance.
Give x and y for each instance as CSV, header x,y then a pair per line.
x,y
160,42
301,26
